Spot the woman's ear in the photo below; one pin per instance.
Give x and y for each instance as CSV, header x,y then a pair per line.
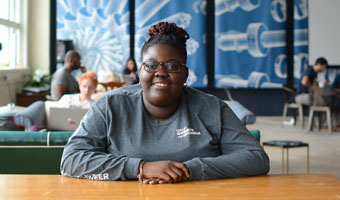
x,y
186,74
139,71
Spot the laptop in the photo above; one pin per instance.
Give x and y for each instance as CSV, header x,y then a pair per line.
x,y
65,119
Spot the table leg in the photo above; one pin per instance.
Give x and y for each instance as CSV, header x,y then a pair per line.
x,y
307,159
283,161
287,162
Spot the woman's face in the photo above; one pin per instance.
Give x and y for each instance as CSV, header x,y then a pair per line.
x,y
87,88
162,88
130,65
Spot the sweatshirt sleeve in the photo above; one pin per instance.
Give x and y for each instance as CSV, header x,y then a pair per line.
x,y
241,154
86,156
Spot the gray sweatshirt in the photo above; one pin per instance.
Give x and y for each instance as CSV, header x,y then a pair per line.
x,y
117,133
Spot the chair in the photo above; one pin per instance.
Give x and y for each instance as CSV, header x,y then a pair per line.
x,y
290,93
319,109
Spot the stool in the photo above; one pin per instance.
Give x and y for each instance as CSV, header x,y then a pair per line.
x,y
325,109
287,144
293,106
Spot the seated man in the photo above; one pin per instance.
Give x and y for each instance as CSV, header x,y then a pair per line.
x,y
307,82
62,81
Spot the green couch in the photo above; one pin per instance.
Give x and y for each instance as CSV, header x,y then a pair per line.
x,y
37,152
31,152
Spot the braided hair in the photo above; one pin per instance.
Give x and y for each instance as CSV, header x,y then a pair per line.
x,y
170,34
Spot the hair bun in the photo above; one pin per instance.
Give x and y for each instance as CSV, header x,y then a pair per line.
x,y
168,29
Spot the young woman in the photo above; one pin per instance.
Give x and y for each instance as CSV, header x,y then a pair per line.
x,y
161,130
130,68
87,85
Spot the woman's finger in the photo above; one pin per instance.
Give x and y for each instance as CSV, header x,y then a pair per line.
x,y
183,167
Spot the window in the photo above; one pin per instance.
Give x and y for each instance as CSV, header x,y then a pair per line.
x,y
11,34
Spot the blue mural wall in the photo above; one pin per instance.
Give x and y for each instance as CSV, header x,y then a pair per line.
x,y
99,30
187,14
250,46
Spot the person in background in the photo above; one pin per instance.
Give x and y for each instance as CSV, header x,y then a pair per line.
x,y
162,131
62,81
87,84
130,68
308,82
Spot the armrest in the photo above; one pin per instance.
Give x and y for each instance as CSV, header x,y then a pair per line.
x,y
256,134
32,115
245,115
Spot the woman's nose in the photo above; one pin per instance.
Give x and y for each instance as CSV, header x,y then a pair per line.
x,y
162,71
86,90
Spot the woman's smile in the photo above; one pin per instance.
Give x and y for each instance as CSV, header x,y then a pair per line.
x,y
161,87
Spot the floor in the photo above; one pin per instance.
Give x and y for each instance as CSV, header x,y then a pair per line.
x,y
324,147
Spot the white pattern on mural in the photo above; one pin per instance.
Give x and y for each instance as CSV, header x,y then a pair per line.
x,y
258,39
99,32
224,6
278,10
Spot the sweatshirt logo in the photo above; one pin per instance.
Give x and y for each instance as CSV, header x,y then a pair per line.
x,y
185,132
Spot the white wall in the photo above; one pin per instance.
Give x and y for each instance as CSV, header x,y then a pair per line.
x,y
38,56
39,35
324,30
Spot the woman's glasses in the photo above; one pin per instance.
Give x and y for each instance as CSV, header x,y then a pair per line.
x,y
152,66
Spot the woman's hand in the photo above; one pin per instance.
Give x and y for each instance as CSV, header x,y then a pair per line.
x,y
160,172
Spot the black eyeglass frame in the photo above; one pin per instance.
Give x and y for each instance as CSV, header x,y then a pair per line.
x,y
159,64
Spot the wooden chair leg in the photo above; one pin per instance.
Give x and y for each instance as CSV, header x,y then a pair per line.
x,y
295,113
319,120
301,116
310,120
329,120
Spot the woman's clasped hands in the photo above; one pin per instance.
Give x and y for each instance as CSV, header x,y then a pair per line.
x,y
161,172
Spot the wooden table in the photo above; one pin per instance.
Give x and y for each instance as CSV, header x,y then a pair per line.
x,y
112,85
26,99
312,186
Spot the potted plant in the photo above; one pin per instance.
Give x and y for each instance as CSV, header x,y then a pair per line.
x,y
40,82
